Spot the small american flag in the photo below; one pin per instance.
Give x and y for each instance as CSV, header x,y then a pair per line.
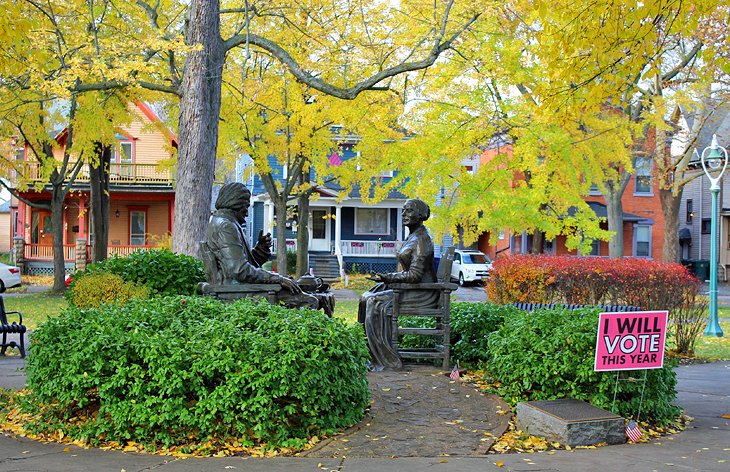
x,y
454,375
633,431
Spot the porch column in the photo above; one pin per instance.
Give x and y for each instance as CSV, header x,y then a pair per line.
x,y
19,252
268,216
80,254
338,229
82,218
399,225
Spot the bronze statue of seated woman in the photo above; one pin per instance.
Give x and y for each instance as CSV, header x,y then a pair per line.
x,y
415,265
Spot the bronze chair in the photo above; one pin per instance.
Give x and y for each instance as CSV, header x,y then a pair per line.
x,y
441,314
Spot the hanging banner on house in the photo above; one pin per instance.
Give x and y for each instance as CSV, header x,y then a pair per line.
x,y
631,340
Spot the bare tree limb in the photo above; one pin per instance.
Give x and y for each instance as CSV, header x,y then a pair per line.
x,y
349,93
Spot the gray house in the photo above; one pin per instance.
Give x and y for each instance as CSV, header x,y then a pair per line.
x,y
696,208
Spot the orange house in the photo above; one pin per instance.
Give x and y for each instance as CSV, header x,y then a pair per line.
x,y
141,198
643,219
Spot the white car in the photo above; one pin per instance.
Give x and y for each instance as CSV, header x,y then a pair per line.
x,y
9,277
470,266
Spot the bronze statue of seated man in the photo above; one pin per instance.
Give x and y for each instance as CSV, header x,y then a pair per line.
x,y
230,261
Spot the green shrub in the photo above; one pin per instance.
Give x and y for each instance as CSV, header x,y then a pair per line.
x,y
163,271
179,370
90,290
471,325
548,354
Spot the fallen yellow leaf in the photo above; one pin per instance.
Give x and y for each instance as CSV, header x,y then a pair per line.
x,y
499,464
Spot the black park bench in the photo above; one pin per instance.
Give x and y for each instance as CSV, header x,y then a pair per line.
x,y
15,328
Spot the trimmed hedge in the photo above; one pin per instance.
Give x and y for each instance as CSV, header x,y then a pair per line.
x,y
548,354
163,271
471,325
179,370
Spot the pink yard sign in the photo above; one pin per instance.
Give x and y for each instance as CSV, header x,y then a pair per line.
x,y
631,340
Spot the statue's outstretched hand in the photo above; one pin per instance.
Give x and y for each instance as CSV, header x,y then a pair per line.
x,y
290,285
264,240
376,277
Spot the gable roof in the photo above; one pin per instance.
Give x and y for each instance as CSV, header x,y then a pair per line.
x,y
602,212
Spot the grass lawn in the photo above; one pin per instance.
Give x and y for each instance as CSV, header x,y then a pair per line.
x,y
347,310
35,307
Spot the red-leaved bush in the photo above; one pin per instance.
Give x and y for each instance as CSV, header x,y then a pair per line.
x,y
648,284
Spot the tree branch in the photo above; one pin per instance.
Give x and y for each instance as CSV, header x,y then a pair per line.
x,y
349,93
14,192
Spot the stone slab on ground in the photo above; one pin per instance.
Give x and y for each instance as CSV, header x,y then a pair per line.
x,y
571,422
420,412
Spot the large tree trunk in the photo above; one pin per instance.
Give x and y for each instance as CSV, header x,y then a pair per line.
x,y
303,228
615,217
537,239
198,125
303,235
280,216
99,183
670,208
59,264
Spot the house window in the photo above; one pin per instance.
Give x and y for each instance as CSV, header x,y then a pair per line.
x,y
137,227
372,221
690,212
123,158
595,248
643,177
706,226
594,190
642,241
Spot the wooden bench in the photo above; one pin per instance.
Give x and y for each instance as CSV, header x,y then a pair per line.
x,y
604,308
441,315
14,328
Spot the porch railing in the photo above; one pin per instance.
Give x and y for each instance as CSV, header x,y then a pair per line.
x,y
118,174
44,252
357,247
370,248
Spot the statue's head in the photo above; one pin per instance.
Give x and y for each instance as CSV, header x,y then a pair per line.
x,y
416,209
236,197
